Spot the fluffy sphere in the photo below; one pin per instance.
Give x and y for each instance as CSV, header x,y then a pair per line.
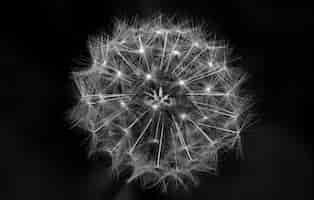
x,y
160,97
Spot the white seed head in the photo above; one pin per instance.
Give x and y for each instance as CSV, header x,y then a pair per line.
x,y
169,128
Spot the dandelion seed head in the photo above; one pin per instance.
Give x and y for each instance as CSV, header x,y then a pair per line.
x,y
170,128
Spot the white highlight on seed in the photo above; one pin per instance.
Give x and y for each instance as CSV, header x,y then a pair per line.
x,y
141,50
126,131
204,118
155,106
104,63
148,77
160,31
196,44
181,82
119,74
175,53
208,88
123,104
183,116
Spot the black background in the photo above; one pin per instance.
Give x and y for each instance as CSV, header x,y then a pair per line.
x,y
41,41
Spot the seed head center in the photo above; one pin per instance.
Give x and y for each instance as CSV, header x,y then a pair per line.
x,y
157,98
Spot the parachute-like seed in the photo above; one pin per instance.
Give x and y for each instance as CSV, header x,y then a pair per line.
x,y
160,97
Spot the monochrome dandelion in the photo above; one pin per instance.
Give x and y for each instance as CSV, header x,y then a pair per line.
x,y
162,97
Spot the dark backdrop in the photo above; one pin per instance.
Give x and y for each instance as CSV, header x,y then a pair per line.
x,y
40,42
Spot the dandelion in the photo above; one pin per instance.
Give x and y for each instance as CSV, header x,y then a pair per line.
x,y
164,101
